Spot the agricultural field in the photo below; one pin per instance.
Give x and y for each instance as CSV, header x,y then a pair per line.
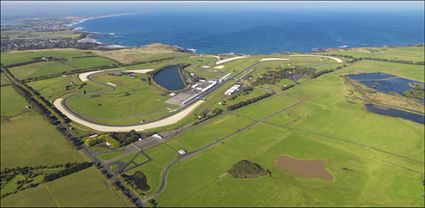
x,y
25,134
82,189
12,104
15,57
90,62
4,81
412,53
39,69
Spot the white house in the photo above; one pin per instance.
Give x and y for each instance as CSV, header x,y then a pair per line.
x,y
182,152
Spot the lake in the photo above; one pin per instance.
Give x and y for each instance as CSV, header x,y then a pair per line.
x,y
396,113
383,82
169,78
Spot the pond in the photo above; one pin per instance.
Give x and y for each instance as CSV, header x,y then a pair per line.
x,y
396,113
169,78
385,83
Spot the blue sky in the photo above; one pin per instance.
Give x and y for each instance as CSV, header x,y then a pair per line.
x,y
96,8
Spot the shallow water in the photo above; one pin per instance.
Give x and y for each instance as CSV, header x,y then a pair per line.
x,y
170,78
383,82
396,113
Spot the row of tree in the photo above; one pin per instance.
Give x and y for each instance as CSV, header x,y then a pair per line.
x,y
249,101
72,169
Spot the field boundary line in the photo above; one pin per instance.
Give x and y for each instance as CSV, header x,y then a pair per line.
x,y
51,195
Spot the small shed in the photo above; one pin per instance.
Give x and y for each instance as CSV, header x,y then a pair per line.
x,y
182,152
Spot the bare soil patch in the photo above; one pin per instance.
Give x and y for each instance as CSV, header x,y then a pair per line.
x,y
304,168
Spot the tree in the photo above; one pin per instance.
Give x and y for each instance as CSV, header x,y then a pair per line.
x,y
153,202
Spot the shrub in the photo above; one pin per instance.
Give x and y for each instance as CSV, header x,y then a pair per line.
x,y
126,137
247,169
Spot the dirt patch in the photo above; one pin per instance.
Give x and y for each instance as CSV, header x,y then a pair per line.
x,y
304,168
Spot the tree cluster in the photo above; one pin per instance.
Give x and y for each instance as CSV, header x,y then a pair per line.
x,y
249,101
72,169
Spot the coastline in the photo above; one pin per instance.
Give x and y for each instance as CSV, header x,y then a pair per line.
x,y
91,37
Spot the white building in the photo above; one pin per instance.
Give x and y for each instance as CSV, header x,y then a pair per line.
x,y
224,77
182,152
157,136
232,89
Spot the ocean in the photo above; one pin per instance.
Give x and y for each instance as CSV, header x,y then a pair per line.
x,y
261,32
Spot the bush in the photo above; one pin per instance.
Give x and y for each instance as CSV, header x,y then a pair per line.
x,y
102,138
247,169
75,168
126,137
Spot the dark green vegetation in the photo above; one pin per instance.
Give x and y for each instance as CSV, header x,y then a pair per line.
x,y
138,180
247,169
126,137
417,91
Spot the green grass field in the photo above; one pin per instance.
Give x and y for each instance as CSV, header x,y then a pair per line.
x,y
56,87
30,140
27,138
90,62
132,100
409,71
12,103
4,81
375,160
411,53
39,69
86,188
342,142
15,57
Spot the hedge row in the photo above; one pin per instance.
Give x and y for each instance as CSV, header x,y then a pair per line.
x,y
249,101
